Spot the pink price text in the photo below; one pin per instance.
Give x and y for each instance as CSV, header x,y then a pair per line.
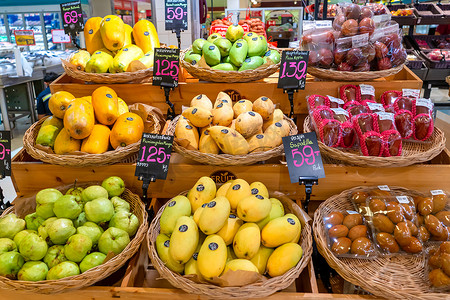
x,y
295,69
166,65
71,17
176,13
3,151
307,155
154,151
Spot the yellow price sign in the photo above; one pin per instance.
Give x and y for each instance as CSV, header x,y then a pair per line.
x,y
24,37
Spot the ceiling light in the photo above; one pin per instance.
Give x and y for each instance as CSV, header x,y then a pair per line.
x,y
295,2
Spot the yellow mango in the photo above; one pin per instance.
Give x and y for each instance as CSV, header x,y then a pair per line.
x,y
212,257
222,190
240,264
280,127
229,230
198,116
145,36
148,59
280,231
258,188
127,130
276,117
257,143
58,103
79,119
284,258
238,190
242,106
202,192
222,115
249,123
64,143
128,35
106,106
52,120
247,241
185,130
224,98
124,57
253,208
99,62
202,101
98,141
264,106
214,215
123,107
79,59
229,141
207,144
92,35
261,258
162,248
112,30
184,240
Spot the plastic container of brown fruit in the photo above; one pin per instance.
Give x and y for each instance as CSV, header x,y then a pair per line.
x,y
394,225
358,198
348,235
438,267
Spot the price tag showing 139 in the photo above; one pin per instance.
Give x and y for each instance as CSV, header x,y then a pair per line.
x,y
303,156
166,67
293,69
154,155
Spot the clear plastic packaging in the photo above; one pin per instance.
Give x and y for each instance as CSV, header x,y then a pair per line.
x,y
353,53
348,235
388,97
438,267
320,44
389,51
314,101
403,122
394,224
367,93
374,107
350,93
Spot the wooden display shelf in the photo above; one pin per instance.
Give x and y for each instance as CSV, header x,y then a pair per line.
x,y
153,95
183,174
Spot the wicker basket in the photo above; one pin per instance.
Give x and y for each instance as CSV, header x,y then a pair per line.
x,y
135,77
255,290
228,159
95,274
412,152
84,159
399,277
209,74
331,74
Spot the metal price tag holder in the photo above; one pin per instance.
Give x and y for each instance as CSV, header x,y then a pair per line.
x,y
167,88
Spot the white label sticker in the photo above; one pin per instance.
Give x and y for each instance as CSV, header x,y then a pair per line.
x,y
324,24
352,212
381,18
402,199
385,116
308,25
336,100
411,93
424,102
375,106
367,89
340,111
384,188
360,40
437,192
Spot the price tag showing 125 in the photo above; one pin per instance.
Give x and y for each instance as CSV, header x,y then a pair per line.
x,y
166,66
293,70
154,155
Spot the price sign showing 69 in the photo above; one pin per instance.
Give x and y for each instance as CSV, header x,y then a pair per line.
x,y
307,155
71,17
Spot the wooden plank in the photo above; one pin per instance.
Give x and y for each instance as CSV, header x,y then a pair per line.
x,y
147,93
135,293
182,176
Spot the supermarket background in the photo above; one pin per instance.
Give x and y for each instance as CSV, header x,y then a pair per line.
x,y
282,25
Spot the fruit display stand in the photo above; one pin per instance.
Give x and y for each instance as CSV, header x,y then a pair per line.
x,y
140,280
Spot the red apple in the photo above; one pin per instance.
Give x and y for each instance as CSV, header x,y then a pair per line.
x,y
384,64
344,67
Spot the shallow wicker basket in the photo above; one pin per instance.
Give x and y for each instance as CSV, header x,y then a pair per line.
x,y
399,277
81,160
412,152
331,74
135,77
93,275
228,159
227,76
255,290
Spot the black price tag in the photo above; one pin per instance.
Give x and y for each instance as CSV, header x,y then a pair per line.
x,y
303,156
5,153
154,155
166,67
293,69
176,14
72,16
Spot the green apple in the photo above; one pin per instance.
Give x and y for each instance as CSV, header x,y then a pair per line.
x,y
7,245
60,230
10,225
44,202
92,230
19,237
63,270
76,191
10,264
92,260
113,240
125,221
77,247
114,185
93,192
80,220
33,247
99,210
54,256
33,221
33,271
120,204
68,207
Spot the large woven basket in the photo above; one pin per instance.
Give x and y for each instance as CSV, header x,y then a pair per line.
x,y
82,160
228,159
95,274
412,152
331,74
208,74
399,277
255,290
135,77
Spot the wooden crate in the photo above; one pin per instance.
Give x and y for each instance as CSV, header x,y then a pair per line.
x,y
153,95
30,176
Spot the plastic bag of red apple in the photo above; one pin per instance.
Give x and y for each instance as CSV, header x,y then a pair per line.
x,y
320,44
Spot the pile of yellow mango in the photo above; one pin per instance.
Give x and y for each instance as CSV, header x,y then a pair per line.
x,y
111,46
